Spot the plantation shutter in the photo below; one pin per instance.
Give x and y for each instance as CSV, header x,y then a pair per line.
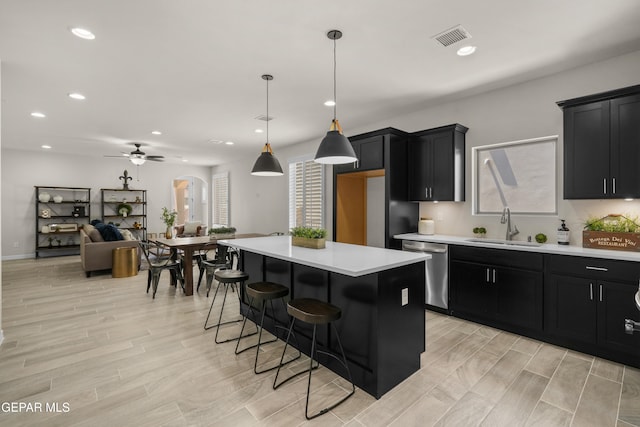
x,y
221,199
306,193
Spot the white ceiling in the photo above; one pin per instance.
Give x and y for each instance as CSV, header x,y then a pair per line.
x,y
192,68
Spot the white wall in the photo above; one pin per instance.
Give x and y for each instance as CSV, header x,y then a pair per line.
x,y
1,333
518,112
22,170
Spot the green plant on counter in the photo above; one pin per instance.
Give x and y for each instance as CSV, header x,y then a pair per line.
x,y
613,223
479,230
309,232
222,230
541,238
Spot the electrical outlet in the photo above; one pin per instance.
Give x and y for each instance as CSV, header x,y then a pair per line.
x,y
405,296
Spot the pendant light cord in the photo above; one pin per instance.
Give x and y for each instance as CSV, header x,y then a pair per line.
x,y
267,111
335,101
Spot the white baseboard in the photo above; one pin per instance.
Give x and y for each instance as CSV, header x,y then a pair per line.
x,y
21,256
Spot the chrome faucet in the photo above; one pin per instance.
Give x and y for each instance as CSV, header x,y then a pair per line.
x,y
506,218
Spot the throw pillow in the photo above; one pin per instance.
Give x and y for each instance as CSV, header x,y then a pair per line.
x,y
127,234
109,232
191,228
95,235
88,228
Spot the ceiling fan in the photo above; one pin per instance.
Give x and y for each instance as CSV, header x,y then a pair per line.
x,y
138,157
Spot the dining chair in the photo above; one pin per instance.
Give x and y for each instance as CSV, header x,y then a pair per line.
x,y
225,259
159,258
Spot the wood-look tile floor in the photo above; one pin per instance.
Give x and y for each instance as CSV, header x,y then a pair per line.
x,y
107,354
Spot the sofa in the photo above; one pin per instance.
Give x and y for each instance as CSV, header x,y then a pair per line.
x,y
97,255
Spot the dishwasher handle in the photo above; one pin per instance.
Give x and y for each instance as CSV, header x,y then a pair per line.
x,y
413,246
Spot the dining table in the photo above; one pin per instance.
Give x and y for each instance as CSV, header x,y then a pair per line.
x,y
188,246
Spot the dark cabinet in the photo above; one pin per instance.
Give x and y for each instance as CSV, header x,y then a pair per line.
x,y
370,154
497,287
601,145
436,164
587,301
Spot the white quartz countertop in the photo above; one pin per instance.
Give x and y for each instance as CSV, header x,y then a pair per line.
x,y
549,248
343,258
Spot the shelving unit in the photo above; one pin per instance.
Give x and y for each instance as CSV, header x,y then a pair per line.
x,y
59,213
112,201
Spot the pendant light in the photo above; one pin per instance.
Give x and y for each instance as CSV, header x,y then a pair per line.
x,y
335,148
267,164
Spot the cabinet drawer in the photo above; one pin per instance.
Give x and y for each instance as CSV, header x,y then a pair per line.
x,y
498,257
598,268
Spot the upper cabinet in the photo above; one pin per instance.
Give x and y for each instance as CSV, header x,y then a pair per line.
x,y
602,145
369,151
436,164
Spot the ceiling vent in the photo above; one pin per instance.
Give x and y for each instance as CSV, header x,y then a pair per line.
x,y
264,118
452,35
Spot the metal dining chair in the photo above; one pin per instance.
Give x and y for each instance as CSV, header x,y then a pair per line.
x,y
158,258
225,258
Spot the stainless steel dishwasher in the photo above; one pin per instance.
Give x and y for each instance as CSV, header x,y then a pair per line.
x,y
436,274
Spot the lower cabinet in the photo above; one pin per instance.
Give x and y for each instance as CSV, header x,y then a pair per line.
x,y
586,303
505,292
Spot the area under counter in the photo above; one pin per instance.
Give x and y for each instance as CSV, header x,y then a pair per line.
x,y
380,292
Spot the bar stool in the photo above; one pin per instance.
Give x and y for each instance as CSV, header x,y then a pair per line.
x,y
233,279
265,291
315,312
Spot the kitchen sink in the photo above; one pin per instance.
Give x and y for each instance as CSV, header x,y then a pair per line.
x,y
505,242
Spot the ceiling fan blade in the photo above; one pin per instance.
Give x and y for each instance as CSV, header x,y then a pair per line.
x,y
155,158
120,156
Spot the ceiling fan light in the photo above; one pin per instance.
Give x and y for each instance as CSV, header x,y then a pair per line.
x,y
137,160
267,164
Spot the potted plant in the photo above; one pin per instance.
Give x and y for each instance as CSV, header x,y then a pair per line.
x,y
613,231
479,231
308,237
169,219
222,233
124,209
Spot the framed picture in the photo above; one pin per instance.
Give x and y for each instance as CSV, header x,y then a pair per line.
x,y
520,175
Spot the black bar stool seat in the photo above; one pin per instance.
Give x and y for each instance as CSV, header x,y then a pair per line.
x,y
263,292
233,279
315,312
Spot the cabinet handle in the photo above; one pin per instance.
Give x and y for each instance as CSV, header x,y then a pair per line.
x,y
430,192
494,275
614,185
597,268
487,280
600,293
604,186
591,291
426,192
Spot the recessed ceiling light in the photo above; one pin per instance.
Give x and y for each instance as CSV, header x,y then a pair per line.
x,y
185,160
76,95
258,131
83,33
156,132
215,141
38,114
46,147
229,143
466,50
330,103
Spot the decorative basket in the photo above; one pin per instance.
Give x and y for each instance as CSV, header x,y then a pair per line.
x,y
613,240
307,242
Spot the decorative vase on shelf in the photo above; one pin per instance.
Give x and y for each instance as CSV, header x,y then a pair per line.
x,y
44,197
57,198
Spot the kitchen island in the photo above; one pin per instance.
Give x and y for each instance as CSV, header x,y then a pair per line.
x,y
380,292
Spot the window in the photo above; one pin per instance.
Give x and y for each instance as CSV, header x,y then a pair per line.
x,y
220,198
306,193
